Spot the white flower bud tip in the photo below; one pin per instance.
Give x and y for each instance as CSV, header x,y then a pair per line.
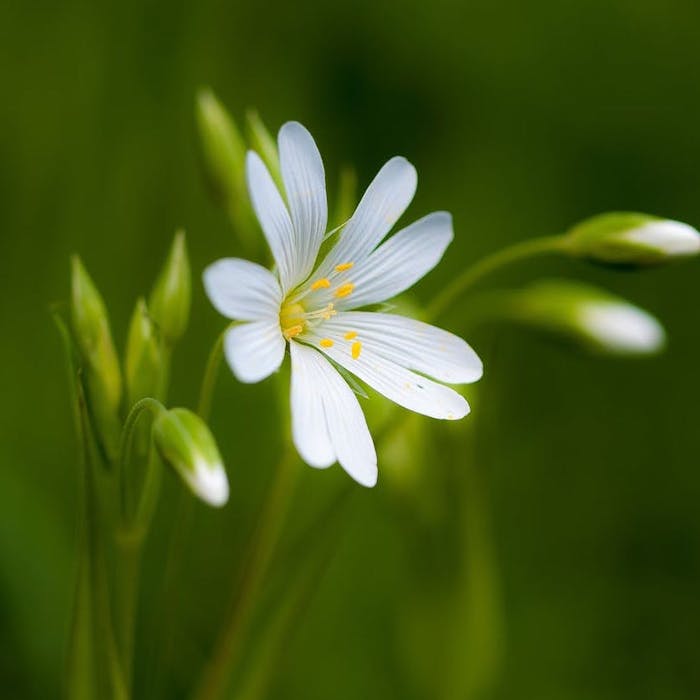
x,y
209,482
631,240
622,328
184,441
671,238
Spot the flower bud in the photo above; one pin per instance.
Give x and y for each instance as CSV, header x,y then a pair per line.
x,y
631,240
184,441
170,299
591,317
143,361
94,339
223,150
262,142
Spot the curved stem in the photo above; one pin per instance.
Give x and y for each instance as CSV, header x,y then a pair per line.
x,y
474,274
132,529
206,392
155,407
261,549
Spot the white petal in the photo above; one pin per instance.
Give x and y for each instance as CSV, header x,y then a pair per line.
x,y
399,262
242,290
672,238
404,387
410,343
385,200
254,350
344,421
309,428
273,217
305,183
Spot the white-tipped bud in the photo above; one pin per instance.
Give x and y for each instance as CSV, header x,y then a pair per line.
x,y
631,240
185,442
591,317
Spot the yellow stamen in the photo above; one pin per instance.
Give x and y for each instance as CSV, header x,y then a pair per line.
x,y
356,349
323,283
344,289
344,266
350,335
292,332
326,343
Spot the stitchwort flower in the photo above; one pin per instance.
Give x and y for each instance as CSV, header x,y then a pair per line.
x,y
310,304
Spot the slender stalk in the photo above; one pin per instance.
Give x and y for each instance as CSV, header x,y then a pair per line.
x,y
131,531
206,392
474,274
262,547
181,520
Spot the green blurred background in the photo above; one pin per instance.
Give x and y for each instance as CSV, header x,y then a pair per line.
x,y
521,118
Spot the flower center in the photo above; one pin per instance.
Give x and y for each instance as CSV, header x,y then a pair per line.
x,y
294,318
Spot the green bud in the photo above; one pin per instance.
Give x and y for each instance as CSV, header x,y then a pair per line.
x,y
347,196
223,149
144,361
184,441
593,318
631,240
170,299
265,145
94,339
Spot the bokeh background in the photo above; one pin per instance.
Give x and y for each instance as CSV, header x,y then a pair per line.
x,y
582,559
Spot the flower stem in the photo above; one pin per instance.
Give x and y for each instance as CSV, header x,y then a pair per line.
x,y
474,274
206,392
181,523
261,550
131,530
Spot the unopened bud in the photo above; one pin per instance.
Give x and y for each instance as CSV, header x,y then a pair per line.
x,y
94,339
265,145
631,240
184,441
143,362
223,149
170,299
591,317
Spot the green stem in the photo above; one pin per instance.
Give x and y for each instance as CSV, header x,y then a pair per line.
x,y
261,550
474,274
211,371
132,530
182,519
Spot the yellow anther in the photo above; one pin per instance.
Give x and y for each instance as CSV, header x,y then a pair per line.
x,y
292,332
344,266
344,289
350,335
326,343
356,349
323,283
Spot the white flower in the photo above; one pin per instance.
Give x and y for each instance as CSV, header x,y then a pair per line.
x,y
310,305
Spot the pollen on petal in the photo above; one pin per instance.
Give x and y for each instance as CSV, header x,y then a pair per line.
x,y
323,283
326,343
344,290
356,349
350,335
344,266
